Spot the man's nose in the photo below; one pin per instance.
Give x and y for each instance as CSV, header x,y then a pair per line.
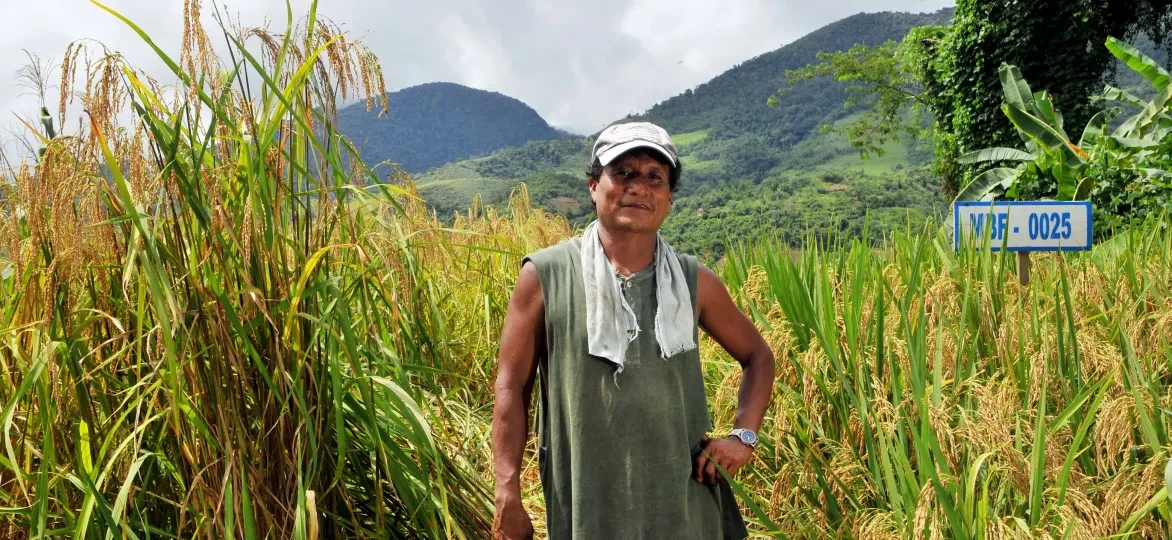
x,y
638,186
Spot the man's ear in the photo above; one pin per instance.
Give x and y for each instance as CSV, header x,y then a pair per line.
x,y
593,184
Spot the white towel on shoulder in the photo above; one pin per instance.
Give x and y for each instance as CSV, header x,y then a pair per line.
x,y
611,323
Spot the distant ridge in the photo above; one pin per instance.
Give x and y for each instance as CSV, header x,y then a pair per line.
x,y
436,123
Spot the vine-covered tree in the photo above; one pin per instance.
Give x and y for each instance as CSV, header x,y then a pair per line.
x,y
953,71
1057,44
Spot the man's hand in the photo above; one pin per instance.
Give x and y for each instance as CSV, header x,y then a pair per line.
x,y
512,522
731,454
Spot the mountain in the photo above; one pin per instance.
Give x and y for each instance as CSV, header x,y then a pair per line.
x,y
733,103
748,167
436,123
724,130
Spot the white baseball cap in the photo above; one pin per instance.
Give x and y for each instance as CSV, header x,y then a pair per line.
x,y
617,139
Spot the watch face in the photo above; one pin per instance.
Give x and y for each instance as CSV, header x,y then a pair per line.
x,y
748,437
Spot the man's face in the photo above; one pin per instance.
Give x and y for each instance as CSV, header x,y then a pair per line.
x,y
633,195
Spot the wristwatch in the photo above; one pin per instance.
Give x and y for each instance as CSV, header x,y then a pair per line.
x,y
747,437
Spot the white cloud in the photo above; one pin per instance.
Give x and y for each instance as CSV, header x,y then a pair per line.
x,y
579,63
476,55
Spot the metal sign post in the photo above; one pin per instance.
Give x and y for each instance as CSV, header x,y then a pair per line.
x,y
1024,226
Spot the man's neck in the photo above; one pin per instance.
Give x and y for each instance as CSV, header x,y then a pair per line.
x,y
628,252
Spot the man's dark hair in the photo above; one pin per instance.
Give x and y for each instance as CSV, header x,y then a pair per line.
x,y
595,170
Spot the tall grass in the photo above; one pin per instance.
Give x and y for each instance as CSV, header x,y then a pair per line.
x,y
216,322
924,392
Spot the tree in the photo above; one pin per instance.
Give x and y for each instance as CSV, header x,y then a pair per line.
x,y
1124,171
1057,45
884,79
953,71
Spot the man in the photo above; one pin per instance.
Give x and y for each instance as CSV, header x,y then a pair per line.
x,y
610,321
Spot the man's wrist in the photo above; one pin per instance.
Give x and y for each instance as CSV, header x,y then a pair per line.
x,y
509,494
744,436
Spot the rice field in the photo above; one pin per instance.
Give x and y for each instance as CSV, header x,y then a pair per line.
x,y
923,392
216,322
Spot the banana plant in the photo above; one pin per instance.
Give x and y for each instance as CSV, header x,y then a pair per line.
x,y
1048,148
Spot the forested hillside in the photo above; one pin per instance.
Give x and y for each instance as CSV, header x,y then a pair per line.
x,y
732,145
432,124
732,104
748,166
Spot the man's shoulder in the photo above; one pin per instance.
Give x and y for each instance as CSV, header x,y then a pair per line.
x,y
688,262
563,252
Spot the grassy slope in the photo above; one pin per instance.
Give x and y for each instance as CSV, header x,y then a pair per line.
x,y
822,184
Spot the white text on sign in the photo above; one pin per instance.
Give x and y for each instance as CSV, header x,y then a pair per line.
x,y
1024,225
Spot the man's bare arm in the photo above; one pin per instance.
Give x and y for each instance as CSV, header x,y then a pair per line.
x,y
721,319
522,346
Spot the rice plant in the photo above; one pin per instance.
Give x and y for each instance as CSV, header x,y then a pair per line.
x,y
217,322
925,393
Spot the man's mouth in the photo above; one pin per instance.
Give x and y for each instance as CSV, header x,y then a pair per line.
x,y
637,205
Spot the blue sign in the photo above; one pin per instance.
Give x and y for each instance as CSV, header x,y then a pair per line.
x,y
1024,225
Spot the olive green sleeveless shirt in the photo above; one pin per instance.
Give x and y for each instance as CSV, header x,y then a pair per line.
x,y
616,453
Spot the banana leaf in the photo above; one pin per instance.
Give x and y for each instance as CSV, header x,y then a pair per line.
x,y
1016,89
1046,111
983,185
1068,180
1163,129
1017,92
1130,142
995,154
1047,137
1157,174
1120,95
1141,63
1152,112
1097,127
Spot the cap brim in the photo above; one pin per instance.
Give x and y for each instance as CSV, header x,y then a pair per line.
x,y
608,156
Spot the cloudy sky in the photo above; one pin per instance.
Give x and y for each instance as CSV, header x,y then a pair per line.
x,y
579,63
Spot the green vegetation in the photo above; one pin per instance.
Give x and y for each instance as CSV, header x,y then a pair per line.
x,y
950,72
554,172
885,156
1125,172
426,126
1133,81
1047,41
197,342
688,139
566,155
201,343
831,203
923,392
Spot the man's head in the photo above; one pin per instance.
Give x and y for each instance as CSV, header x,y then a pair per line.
x,y
633,172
